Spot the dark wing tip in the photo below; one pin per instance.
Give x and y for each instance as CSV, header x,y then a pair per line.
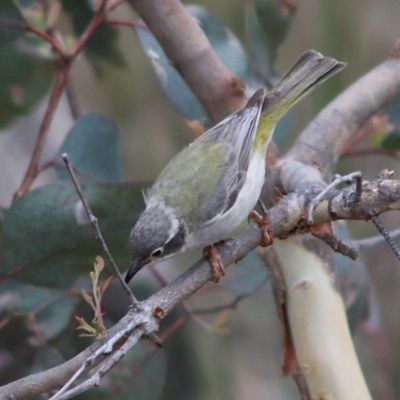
x,y
257,99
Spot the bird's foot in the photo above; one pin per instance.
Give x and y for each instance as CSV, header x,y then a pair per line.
x,y
217,268
263,221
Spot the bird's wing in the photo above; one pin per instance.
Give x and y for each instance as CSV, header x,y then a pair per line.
x,y
239,129
205,178
200,181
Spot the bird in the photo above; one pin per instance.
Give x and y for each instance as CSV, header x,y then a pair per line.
x,y
209,188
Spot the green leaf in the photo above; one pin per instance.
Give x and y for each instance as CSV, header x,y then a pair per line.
x,y
223,42
391,141
268,23
23,81
103,43
262,60
172,84
226,45
9,12
248,276
26,3
50,313
47,240
92,148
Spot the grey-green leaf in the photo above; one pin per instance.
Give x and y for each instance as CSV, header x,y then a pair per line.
x,y
9,12
92,148
23,81
223,42
47,240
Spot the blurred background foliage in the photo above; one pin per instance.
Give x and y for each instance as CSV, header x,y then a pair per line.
x,y
129,130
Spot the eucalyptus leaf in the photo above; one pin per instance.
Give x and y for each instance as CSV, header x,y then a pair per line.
x,y
92,148
224,43
391,141
102,46
9,12
47,239
48,308
23,81
269,20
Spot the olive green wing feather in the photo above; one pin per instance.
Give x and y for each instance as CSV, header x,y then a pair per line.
x,y
239,129
200,180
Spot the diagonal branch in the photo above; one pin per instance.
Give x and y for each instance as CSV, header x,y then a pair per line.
x,y
283,218
189,51
325,137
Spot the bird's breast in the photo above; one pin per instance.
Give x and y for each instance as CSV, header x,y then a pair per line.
x,y
222,225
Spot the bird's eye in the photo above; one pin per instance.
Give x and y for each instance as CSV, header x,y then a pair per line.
x,y
157,252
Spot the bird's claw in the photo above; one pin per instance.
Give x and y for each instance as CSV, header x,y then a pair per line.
x,y
217,268
263,221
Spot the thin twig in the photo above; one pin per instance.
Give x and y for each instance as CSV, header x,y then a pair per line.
x,y
126,22
386,235
375,240
72,98
370,151
172,328
38,32
338,179
93,25
101,371
58,88
55,96
105,350
94,221
232,305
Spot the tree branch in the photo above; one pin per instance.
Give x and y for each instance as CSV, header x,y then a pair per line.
x,y
283,217
323,140
55,96
59,85
189,51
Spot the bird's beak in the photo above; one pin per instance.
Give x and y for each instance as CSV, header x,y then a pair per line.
x,y
135,266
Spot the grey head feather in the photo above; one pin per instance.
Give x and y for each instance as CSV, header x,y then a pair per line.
x,y
158,228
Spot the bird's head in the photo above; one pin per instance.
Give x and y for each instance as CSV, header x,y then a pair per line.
x,y
158,233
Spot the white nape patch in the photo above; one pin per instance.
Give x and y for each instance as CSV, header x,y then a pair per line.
x,y
174,227
80,214
146,196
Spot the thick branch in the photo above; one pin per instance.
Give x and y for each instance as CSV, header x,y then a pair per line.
x,y
284,217
322,341
189,51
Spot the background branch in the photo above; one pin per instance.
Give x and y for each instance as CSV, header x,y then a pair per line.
x,y
323,140
189,51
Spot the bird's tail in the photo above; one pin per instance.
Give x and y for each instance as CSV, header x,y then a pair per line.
x,y
311,69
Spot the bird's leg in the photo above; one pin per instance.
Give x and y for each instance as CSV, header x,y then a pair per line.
x,y
217,268
263,221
